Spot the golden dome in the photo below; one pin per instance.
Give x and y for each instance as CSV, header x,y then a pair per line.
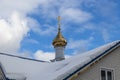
x,y
59,39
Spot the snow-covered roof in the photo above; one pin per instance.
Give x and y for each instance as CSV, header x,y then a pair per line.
x,y
21,68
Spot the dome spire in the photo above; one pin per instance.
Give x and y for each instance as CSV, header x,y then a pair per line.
x,y
59,39
59,23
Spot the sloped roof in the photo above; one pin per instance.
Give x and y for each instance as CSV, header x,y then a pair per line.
x,y
36,70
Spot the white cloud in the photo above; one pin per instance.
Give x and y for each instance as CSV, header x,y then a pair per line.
x,y
32,41
73,44
53,8
13,23
46,56
85,27
75,15
79,45
36,27
7,7
12,32
48,9
49,30
68,9
105,35
89,26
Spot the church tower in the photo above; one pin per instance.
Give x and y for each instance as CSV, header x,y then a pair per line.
x,y
59,44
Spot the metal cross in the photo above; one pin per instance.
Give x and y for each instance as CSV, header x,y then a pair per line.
x,y
59,22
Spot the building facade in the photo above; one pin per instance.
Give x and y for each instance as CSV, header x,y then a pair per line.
x,y
106,67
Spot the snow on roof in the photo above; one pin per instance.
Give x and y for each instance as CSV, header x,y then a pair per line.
x,y
35,70
15,76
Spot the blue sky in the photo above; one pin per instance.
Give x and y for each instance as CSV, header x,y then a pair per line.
x,y
29,27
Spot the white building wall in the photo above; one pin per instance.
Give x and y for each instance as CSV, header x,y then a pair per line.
x,y
111,61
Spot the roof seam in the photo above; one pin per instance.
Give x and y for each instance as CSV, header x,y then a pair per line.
x,y
22,57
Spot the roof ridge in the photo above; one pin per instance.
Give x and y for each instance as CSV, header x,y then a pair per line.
x,y
21,57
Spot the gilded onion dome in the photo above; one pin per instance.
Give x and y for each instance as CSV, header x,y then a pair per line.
x,y
59,39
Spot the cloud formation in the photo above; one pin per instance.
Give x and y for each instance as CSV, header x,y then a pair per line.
x,y
46,56
105,35
12,32
79,46
22,6
75,15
